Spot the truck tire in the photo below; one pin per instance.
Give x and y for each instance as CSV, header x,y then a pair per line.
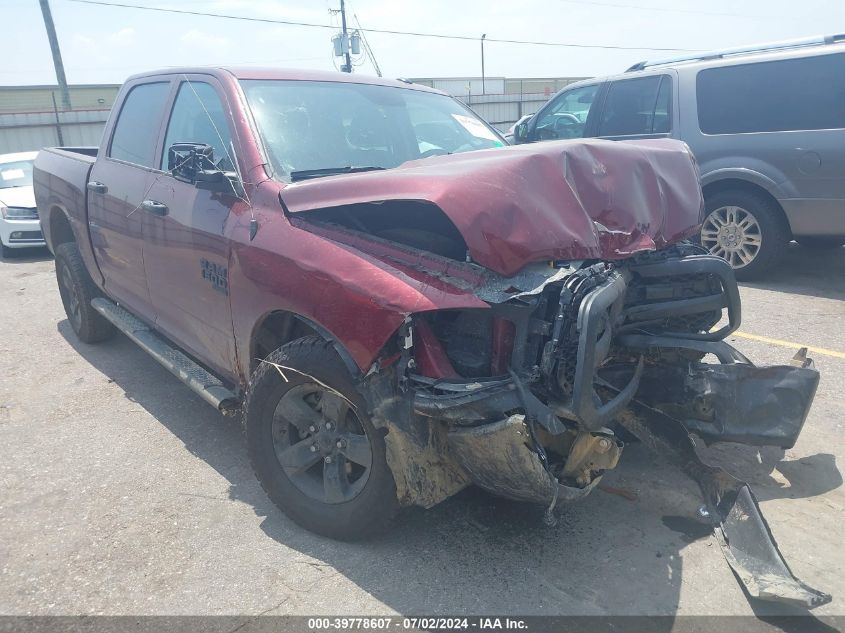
x,y
312,445
746,229
77,289
5,251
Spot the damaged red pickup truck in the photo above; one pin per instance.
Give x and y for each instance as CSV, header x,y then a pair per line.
x,y
399,306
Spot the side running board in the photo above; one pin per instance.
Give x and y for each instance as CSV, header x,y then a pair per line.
x,y
207,386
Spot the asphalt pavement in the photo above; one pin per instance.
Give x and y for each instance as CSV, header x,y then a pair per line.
x,y
121,492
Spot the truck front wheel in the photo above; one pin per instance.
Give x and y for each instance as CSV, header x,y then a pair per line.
x,y
77,289
312,445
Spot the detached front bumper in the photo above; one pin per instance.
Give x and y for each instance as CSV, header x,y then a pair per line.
x,y
729,401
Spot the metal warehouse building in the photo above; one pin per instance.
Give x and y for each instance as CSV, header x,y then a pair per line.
x,y
500,100
32,117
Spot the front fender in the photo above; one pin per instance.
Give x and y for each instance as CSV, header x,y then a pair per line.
x,y
354,297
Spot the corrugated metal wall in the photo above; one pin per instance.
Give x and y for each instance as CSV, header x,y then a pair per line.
x,y
40,98
31,116
538,86
27,131
33,124
23,132
502,111
465,86
505,100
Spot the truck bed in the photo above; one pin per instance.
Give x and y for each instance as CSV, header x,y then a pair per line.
x,y
60,177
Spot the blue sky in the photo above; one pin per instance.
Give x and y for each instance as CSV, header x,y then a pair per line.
x,y
105,45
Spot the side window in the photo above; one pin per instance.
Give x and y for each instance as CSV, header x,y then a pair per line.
x,y
198,117
662,122
636,107
138,124
805,93
566,116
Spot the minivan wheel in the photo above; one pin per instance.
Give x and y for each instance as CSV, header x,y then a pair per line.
x,y
312,445
746,230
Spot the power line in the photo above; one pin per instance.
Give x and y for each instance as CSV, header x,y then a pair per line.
x,y
664,9
367,45
384,31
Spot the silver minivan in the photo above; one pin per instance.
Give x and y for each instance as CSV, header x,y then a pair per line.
x,y
766,125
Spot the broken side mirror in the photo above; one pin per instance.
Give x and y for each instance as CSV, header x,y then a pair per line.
x,y
194,163
184,160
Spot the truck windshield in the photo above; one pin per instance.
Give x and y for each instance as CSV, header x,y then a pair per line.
x,y
17,174
322,127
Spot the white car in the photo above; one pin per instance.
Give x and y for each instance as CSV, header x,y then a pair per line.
x,y
19,226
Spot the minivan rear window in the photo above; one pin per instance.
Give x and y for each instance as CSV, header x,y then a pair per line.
x,y
791,94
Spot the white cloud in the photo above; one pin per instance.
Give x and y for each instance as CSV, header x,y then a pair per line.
x,y
124,37
205,43
84,44
121,39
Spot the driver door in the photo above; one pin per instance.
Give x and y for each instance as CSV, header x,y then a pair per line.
x,y
570,114
186,245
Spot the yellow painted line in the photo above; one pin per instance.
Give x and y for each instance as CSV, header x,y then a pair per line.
x,y
776,341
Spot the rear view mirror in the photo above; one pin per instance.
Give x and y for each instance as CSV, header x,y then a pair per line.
x,y
208,175
520,129
184,160
194,163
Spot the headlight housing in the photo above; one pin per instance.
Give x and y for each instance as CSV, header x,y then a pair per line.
x,y
19,213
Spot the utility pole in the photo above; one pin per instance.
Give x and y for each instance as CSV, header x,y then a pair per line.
x,y
347,68
57,54
483,87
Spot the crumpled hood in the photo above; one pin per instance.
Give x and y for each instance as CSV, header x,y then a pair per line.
x,y
17,197
585,199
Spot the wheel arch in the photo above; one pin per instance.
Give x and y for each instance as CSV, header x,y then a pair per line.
x,y
278,327
722,185
60,230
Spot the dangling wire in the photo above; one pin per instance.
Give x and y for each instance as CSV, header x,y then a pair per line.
x,y
232,156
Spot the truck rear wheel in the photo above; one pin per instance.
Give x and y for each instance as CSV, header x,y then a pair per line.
x,y
312,445
77,289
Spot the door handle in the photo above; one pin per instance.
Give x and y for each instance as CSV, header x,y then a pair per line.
x,y
156,208
97,187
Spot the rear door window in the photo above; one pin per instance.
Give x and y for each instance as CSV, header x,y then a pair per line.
x,y
567,114
790,94
138,124
637,107
198,117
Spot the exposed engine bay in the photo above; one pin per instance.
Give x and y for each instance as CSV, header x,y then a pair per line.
x,y
570,357
555,352
530,398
